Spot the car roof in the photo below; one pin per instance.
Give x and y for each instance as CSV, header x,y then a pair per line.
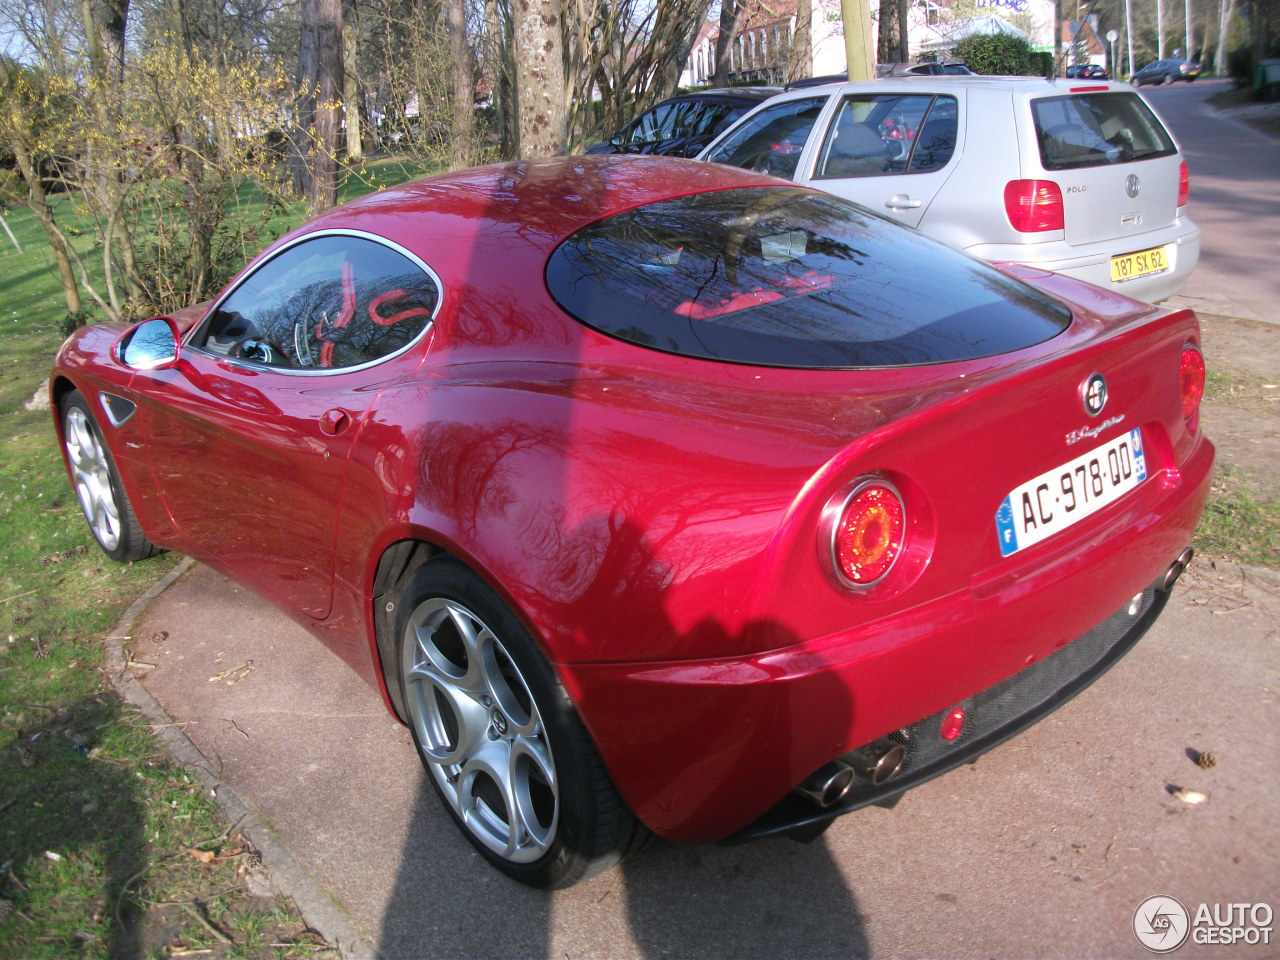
x,y
528,205
752,94
948,82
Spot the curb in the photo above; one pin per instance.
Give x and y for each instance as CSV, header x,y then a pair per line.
x,y
318,908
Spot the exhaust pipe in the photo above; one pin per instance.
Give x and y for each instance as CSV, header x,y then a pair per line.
x,y
878,761
827,785
1175,571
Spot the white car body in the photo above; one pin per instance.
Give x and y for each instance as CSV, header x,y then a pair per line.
x,y
1122,222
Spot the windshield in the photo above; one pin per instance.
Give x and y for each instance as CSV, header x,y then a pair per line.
x,y
780,276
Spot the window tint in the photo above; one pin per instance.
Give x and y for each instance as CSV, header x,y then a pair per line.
x,y
334,301
780,276
771,141
874,135
1096,129
654,125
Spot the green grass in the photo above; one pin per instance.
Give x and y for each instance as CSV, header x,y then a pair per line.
x,y
96,822
1240,522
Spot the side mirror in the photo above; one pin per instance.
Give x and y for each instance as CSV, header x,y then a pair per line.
x,y
616,140
150,345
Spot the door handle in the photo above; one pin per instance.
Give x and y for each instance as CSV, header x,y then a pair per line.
x,y
900,201
334,422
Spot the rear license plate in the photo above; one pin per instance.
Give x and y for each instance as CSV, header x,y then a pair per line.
x,y
1055,500
1144,263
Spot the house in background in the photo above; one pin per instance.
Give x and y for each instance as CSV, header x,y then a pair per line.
x,y
765,43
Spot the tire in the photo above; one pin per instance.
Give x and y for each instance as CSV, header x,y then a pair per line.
x,y
96,480
497,733
1166,79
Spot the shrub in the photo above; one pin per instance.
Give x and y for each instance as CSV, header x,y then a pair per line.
x,y
995,55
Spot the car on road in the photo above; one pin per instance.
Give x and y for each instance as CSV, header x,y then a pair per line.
x,y
682,126
657,496
1166,71
1087,71
1077,177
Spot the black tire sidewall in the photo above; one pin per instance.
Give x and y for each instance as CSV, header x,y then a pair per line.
x,y
574,847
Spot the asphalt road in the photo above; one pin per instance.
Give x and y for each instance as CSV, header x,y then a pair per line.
x,y
1235,199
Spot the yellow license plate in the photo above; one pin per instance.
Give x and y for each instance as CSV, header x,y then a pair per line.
x,y
1144,263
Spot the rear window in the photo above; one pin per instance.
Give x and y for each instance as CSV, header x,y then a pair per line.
x,y
779,276
1092,130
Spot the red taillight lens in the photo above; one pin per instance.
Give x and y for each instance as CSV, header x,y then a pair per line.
x,y
1192,375
1033,205
1184,184
870,533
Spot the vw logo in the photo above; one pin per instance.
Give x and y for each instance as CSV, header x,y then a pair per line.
x,y
1131,185
1094,392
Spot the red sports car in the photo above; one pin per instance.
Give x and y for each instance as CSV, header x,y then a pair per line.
x,y
657,496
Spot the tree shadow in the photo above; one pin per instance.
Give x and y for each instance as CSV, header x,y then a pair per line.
x,y
66,805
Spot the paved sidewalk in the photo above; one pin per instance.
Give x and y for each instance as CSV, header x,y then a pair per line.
x,y
1043,848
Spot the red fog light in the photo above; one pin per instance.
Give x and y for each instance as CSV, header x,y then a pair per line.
x,y
952,724
1192,375
870,533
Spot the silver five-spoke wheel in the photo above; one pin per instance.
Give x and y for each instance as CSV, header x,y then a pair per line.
x,y
480,729
91,475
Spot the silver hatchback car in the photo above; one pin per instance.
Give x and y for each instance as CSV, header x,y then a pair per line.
x,y
1078,177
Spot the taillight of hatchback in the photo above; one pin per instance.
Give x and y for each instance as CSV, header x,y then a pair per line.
x,y
1033,206
1184,184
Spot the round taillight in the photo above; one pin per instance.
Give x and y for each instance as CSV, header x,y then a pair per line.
x,y
1192,376
870,533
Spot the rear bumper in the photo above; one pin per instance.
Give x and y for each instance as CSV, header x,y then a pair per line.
x,y
1092,262
704,749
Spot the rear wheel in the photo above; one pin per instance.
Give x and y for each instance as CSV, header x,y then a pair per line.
x,y
499,738
103,502
1167,79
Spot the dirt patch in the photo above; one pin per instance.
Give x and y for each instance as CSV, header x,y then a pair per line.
x,y
1242,403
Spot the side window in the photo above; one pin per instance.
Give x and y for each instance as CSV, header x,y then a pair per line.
x,y
936,139
325,303
771,141
875,135
648,128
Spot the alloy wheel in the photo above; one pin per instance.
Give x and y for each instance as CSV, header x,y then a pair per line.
x,y
480,730
91,475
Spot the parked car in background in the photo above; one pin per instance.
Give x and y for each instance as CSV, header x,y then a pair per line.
x,y
1087,71
660,496
683,126
1166,71
1081,180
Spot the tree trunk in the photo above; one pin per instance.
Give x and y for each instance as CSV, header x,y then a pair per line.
x,y
800,64
730,19
351,88
305,107
539,78
1226,10
887,43
462,145
39,206
324,168
903,9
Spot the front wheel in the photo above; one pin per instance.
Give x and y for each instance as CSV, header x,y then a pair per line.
x,y
103,502
500,740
